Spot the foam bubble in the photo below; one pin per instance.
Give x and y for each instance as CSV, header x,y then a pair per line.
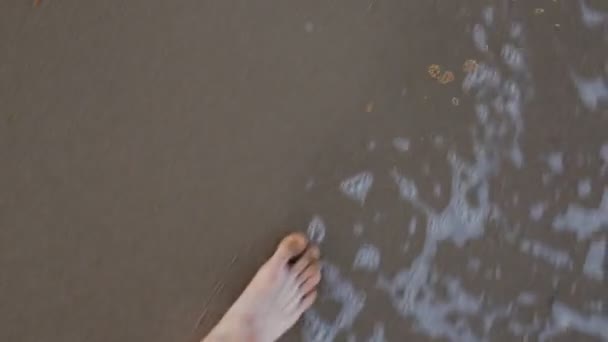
x,y
377,334
517,157
557,258
527,298
480,38
591,17
584,188
604,157
555,161
565,318
341,291
516,30
358,186
583,221
433,313
513,57
439,306
538,210
316,229
482,77
401,144
604,152
407,187
367,258
413,225
487,14
592,91
595,262
498,108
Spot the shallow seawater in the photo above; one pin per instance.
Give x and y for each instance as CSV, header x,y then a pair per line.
x,y
492,233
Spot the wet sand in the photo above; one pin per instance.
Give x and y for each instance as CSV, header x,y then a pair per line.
x,y
155,152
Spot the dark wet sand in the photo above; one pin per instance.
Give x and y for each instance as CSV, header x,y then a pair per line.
x,y
154,152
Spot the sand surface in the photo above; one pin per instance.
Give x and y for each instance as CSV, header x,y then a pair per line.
x,y
452,154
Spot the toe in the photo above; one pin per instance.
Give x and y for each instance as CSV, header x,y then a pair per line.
x,y
292,246
310,278
310,256
306,302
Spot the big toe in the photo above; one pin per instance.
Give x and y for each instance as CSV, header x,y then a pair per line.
x,y
292,246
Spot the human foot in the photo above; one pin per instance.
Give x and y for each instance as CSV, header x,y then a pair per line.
x,y
283,288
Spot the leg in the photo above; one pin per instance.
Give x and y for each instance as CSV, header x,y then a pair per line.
x,y
276,297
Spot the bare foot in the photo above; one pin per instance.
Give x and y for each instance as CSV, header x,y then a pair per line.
x,y
276,297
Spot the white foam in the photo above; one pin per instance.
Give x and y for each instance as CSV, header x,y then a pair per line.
x,y
415,291
516,30
512,56
592,18
517,157
316,230
413,225
595,262
498,107
341,291
407,187
482,77
556,257
565,318
358,186
523,329
595,306
604,157
583,221
367,258
411,288
377,334
527,298
480,38
433,313
538,210
584,188
604,152
487,14
555,161
401,144
592,91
